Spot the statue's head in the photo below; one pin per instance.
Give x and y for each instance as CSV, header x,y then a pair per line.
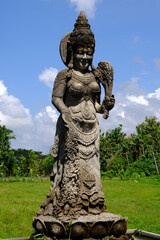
x,y
82,44
77,43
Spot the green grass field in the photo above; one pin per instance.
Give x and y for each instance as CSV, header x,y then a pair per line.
x,y
139,201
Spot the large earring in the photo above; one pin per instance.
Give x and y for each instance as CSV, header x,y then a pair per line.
x,y
69,56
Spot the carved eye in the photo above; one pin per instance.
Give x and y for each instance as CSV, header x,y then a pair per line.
x,y
79,52
89,53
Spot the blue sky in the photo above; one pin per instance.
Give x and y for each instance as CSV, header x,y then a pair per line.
x,y
127,35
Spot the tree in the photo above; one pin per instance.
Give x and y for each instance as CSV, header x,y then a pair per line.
x,y
47,165
7,160
110,145
149,133
28,161
137,154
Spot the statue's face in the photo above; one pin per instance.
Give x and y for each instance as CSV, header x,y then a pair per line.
x,y
83,58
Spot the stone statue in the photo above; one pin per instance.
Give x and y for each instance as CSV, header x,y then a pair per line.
x,y
76,192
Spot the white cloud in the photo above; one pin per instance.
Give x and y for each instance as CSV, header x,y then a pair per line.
x,y
139,100
12,112
157,63
40,136
131,107
3,89
121,114
156,94
88,6
35,133
46,115
48,76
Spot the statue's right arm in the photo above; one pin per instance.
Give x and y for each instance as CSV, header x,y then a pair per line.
x,y
59,91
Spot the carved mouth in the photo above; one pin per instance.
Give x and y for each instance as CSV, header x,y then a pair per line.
x,y
83,63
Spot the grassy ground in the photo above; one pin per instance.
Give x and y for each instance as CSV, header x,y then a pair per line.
x,y
18,205
19,202
139,201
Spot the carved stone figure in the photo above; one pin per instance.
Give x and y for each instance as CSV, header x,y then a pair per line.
x,y
76,191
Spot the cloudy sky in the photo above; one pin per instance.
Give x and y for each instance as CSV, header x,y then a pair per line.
x,y
127,35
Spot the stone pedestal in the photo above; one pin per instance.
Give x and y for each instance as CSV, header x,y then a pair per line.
x,y
90,226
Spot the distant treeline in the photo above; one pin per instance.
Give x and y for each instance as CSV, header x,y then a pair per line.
x,y
121,156
131,156
21,162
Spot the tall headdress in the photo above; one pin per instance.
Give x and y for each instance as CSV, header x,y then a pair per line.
x,y
81,36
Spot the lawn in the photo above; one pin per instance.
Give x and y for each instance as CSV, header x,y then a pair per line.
x,y
138,200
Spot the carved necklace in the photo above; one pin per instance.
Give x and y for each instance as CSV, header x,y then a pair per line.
x,y
85,78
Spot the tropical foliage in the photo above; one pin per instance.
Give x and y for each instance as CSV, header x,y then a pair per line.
x,y
7,159
134,155
21,162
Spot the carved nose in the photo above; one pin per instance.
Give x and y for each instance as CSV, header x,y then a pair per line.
x,y
84,55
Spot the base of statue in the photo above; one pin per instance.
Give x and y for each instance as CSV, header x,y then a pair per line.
x,y
89,226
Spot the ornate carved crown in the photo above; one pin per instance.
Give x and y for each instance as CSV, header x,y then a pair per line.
x,y
82,21
81,36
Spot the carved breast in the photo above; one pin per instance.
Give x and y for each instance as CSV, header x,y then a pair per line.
x,y
83,85
94,87
76,87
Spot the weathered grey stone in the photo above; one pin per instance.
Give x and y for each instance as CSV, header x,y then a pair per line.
x,y
76,191
95,226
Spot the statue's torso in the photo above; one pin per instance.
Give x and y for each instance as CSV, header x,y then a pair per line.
x,y
80,98
81,88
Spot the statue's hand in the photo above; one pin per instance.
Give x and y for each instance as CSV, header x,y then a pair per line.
x,y
111,103
108,103
105,114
